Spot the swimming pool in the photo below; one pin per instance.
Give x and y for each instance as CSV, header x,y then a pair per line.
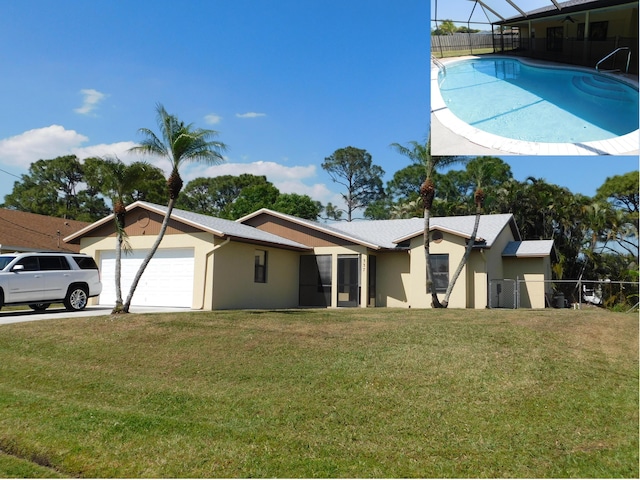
x,y
507,98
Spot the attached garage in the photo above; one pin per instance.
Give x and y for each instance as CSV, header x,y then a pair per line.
x,y
203,262
166,282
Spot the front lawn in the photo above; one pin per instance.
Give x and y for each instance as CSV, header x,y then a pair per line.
x,y
322,393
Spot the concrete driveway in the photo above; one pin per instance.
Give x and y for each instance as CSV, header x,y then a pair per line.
x,y
16,316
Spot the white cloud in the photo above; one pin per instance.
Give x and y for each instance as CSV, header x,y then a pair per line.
x,y
91,100
250,115
54,141
212,119
119,149
40,143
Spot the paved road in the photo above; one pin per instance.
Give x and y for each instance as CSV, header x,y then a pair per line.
x,y
15,316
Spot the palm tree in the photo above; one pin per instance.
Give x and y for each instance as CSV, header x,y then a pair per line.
x,y
478,197
117,181
180,143
421,154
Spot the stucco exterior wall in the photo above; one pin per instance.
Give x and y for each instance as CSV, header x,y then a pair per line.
x,y
233,273
394,279
477,282
533,271
450,244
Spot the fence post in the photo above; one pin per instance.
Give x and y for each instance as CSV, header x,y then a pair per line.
x,y
580,293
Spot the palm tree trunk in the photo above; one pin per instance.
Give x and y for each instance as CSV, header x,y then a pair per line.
x,y
464,260
430,287
118,306
147,259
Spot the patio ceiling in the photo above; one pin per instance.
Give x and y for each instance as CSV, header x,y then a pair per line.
x,y
485,11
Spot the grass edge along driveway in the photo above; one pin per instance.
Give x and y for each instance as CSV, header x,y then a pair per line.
x,y
322,393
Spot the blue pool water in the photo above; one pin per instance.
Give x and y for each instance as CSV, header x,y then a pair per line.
x,y
508,98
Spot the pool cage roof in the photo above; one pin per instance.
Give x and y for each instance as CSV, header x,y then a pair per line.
x,y
491,12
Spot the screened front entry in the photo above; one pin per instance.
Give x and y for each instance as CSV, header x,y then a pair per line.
x,y
315,281
348,280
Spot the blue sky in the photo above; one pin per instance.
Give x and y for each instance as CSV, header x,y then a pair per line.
x,y
284,82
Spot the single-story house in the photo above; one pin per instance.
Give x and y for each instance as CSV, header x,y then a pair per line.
x,y
30,232
272,260
578,31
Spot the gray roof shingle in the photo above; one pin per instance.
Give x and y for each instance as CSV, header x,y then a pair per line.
x,y
388,233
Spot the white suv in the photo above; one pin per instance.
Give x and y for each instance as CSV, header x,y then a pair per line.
x,y
40,279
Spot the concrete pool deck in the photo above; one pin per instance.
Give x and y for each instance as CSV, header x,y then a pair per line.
x,y
452,136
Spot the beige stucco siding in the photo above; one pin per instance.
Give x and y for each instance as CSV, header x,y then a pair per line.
x,y
202,244
452,245
477,279
234,286
533,271
393,279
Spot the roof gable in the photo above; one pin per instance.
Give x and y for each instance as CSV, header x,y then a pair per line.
x,y
216,226
388,234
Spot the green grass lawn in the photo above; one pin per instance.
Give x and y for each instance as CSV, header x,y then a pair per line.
x,y
322,393
459,53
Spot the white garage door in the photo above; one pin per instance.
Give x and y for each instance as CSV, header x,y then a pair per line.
x,y
166,282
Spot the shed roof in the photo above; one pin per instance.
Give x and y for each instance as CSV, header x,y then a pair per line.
x,y
31,232
528,248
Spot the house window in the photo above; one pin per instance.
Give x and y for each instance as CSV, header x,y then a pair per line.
x,y
440,269
260,267
554,39
597,31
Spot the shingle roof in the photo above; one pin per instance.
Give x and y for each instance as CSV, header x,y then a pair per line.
x,y
24,231
228,228
528,248
389,233
218,226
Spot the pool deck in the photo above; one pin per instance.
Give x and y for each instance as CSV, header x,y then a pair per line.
x,y
452,136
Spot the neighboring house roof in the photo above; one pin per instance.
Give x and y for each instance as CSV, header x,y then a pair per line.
x,y
217,226
388,234
30,232
565,8
528,248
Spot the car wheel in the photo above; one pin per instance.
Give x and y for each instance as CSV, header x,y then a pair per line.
x,y
39,307
76,298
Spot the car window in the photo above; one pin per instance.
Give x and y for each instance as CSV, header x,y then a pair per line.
x,y
85,263
30,263
53,263
4,261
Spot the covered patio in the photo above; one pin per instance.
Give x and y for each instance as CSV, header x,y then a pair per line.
x,y
579,32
